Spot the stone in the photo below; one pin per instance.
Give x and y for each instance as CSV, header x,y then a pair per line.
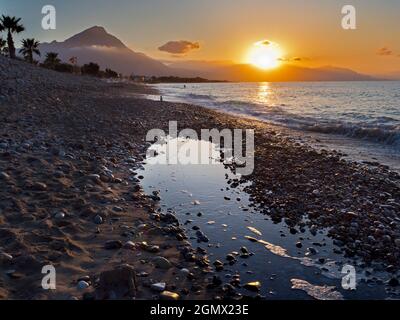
x,y
159,287
185,271
39,186
167,295
129,245
253,286
113,244
60,215
4,176
119,283
161,263
82,285
98,219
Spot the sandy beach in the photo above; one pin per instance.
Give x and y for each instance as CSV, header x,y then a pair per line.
x,y
70,197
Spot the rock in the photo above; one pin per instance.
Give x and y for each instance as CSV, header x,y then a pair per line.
x,y
153,249
118,283
82,285
299,245
60,215
113,244
230,257
161,263
244,250
129,245
167,295
397,242
185,271
253,286
311,251
159,287
98,219
5,256
39,186
4,176
218,265
201,237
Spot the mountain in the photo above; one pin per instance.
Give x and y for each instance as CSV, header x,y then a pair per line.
x,y
97,45
287,72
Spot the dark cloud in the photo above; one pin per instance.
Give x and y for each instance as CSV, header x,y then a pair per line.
x,y
294,59
385,51
179,47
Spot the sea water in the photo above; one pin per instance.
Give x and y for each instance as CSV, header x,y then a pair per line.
x,y
358,118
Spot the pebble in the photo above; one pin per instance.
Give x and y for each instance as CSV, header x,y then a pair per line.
x,y
98,219
253,286
159,287
129,245
60,215
113,244
312,251
185,271
4,176
162,263
167,295
82,285
39,186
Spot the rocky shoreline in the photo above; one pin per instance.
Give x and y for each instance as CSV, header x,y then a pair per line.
x,y
70,195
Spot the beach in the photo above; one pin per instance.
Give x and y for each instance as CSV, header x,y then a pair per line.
x,y
70,148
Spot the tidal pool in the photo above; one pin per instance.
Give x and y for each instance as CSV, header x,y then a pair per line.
x,y
201,198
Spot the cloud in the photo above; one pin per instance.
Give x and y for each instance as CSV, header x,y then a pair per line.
x,y
181,47
294,59
385,51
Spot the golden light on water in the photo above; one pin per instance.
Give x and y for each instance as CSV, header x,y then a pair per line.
x,y
264,92
265,55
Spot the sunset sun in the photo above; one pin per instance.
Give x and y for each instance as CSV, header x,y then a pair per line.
x,y
265,55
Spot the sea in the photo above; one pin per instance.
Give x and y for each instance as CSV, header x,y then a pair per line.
x,y
361,118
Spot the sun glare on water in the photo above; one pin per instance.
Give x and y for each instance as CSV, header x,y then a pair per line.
x,y
265,55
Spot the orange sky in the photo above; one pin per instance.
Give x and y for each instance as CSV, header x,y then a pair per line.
x,y
226,29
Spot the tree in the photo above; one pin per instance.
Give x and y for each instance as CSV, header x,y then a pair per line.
x,y
64,67
29,48
11,25
3,48
109,73
51,60
91,69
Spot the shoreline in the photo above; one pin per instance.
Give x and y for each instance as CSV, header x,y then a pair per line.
x,y
67,146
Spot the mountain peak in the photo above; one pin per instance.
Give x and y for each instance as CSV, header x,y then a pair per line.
x,y
94,36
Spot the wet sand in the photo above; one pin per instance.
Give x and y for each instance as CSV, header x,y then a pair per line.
x,y
70,197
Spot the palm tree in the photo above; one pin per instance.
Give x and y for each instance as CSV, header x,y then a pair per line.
x,y
3,44
29,47
11,25
51,60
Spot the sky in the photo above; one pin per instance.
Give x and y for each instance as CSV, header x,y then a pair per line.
x,y
215,30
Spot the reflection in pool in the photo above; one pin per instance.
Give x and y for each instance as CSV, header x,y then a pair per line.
x,y
223,220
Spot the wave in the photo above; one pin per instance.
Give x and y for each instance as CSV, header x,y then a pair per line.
x,y
360,131
374,131
200,96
